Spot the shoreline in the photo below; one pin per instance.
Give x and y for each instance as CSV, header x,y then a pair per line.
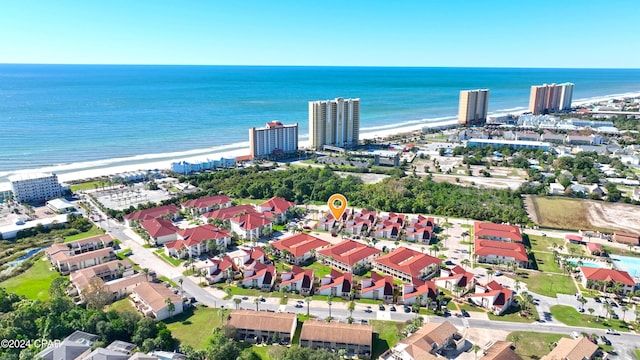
x,y
162,161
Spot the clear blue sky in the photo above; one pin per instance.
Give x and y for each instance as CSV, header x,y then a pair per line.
x,y
500,33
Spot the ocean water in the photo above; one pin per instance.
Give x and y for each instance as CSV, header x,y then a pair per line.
x,y
60,114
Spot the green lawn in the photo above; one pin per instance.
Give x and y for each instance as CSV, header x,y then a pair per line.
x,y
166,279
122,306
33,283
194,327
546,262
531,345
543,243
513,315
637,354
547,284
319,269
249,201
570,316
92,232
85,186
169,259
385,337
261,351
277,227
468,307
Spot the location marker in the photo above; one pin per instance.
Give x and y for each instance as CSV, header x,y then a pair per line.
x,y
337,204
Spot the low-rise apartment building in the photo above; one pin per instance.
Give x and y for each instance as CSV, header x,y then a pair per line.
x,y
300,248
336,284
206,204
356,339
262,326
66,261
161,231
406,264
347,255
151,300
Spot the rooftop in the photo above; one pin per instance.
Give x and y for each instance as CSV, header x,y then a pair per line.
x,y
299,244
262,320
334,332
349,252
407,261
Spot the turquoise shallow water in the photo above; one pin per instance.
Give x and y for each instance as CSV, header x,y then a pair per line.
x,y
55,114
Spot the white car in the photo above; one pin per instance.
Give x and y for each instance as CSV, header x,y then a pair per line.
x,y
612,332
575,335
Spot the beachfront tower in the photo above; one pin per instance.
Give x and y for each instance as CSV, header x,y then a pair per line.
x,y
274,139
35,188
334,123
552,98
473,107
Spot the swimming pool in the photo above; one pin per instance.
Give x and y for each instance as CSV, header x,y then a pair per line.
x,y
588,264
627,263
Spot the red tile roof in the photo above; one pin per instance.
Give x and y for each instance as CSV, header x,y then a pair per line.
x,y
299,274
203,233
458,272
384,282
159,227
244,158
573,237
251,221
593,247
497,291
299,244
500,248
229,213
277,205
207,201
600,274
407,261
222,264
483,230
152,213
261,270
427,288
349,252
339,279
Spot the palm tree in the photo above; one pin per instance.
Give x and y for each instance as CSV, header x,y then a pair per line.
x,y
591,311
517,285
221,313
475,348
515,338
171,307
352,306
490,273
237,301
145,271
181,280
582,301
329,302
466,263
228,290
308,301
624,310
257,302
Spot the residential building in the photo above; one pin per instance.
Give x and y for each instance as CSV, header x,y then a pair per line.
x,y
626,238
279,207
427,343
406,264
194,242
592,277
250,226
206,204
103,354
348,255
67,261
334,123
546,99
493,297
420,229
356,339
496,232
297,280
336,284
387,230
273,139
218,269
299,248
417,291
171,212
261,277
108,271
35,188
81,246
514,144
500,350
151,300
500,252
262,326
473,106
246,257
326,223
556,189
61,206
377,287
573,349
71,347
456,278
160,230
230,212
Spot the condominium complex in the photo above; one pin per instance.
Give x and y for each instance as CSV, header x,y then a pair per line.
x,y
550,98
473,107
273,139
334,122
35,187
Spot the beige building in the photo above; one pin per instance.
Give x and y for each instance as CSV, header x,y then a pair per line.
x,y
152,299
356,339
572,349
473,107
334,123
550,98
262,326
273,139
427,343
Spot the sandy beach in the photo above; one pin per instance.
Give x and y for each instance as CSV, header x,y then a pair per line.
x,y
79,171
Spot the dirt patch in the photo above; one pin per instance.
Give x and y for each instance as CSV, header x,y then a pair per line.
x,y
622,217
530,208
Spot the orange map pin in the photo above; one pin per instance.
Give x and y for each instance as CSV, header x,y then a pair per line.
x,y
337,210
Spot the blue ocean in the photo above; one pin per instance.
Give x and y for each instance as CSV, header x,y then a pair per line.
x,y
61,114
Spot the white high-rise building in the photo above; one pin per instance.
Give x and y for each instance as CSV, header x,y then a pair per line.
x,y
35,187
566,96
550,98
473,106
334,122
273,139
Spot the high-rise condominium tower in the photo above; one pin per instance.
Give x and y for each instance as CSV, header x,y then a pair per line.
x,y
272,139
334,122
473,107
550,98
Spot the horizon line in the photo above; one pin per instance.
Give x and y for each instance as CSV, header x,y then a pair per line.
x,y
325,66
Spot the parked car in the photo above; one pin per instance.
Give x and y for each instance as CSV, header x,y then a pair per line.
x,y
465,313
392,308
605,340
597,299
381,307
407,309
575,335
612,332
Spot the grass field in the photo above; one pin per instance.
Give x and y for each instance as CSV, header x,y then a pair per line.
x,y
637,354
546,263
319,270
570,316
563,213
90,185
195,327
547,284
543,243
122,306
93,232
532,344
261,351
33,283
513,315
387,336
